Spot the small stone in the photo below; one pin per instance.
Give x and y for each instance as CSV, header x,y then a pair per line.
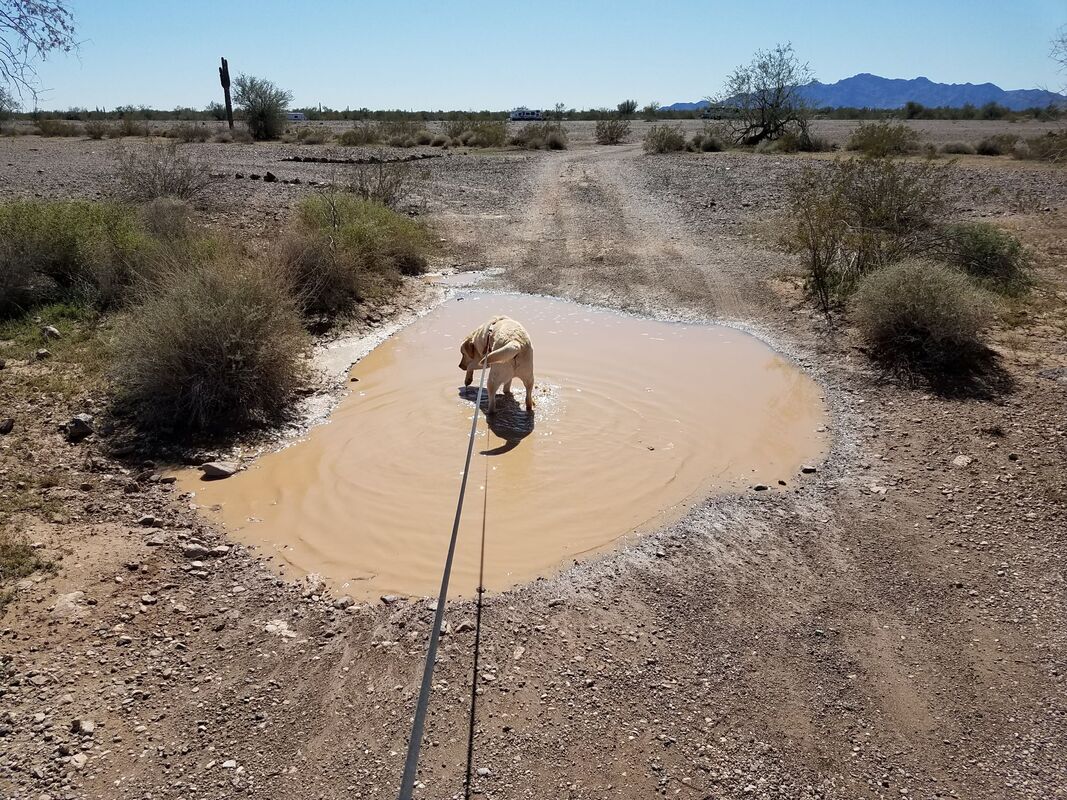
x,y
69,607
50,332
42,354
962,461
555,601
389,599
83,727
148,600
6,426
195,551
229,764
148,521
78,760
217,470
343,602
760,487
807,469
270,177
484,772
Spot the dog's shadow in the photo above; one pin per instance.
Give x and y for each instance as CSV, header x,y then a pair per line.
x,y
510,422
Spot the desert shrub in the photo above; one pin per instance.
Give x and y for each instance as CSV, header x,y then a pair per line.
x,y
318,134
96,128
540,136
402,129
958,148
612,131
189,132
997,145
883,138
67,250
487,133
129,126
923,316
163,170
57,127
795,141
423,138
263,104
857,215
664,139
235,136
360,135
167,219
1050,147
439,140
210,346
995,258
386,183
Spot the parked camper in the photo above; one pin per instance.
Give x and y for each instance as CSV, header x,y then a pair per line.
x,y
524,114
296,116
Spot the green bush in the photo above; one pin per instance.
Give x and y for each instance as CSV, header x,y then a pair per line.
x,y
263,105
344,249
883,138
958,148
612,131
993,257
211,346
360,135
923,316
67,250
998,145
188,132
540,136
664,139
162,170
311,134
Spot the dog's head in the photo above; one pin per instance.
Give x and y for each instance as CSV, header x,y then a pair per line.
x,y
468,355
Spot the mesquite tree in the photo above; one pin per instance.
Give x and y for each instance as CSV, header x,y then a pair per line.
x,y
264,105
765,96
30,30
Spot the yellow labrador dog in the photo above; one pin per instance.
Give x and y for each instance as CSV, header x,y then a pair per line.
x,y
510,355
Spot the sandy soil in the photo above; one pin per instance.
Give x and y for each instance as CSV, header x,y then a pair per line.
x,y
894,627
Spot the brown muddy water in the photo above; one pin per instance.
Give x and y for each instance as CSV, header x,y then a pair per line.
x,y
635,420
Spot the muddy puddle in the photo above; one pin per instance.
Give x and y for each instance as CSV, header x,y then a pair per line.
x,y
635,420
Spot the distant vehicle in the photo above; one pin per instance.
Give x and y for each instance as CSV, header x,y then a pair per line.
x,y
524,114
296,116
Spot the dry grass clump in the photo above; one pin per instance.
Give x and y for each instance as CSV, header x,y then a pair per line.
x,y
318,134
1000,144
922,316
994,258
664,139
96,128
360,135
236,136
1051,147
67,251
386,183
612,131
883,138
163,170
540,136
167,219
187,132
129,126
58,127
709,140
958,148
213,345
18,559
344,249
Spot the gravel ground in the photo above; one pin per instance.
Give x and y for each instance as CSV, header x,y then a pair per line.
x,y
892,626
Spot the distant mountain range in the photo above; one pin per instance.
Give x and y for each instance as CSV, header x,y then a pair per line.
x,y
872,91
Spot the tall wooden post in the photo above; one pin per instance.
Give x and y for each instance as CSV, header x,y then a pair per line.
x,y
224,79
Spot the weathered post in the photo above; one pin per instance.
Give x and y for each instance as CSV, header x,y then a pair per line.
x,y
224,79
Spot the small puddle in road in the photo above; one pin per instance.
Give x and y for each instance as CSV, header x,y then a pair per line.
x,y
635,418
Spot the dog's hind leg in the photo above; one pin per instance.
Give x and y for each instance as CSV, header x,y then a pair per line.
x,y
507,387
528,382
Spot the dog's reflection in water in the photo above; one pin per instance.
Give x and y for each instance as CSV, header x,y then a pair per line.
x,y
510,422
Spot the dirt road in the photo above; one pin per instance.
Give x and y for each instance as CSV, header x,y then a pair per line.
x,y
892,626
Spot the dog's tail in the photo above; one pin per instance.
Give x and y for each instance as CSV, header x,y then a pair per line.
x,y
505,353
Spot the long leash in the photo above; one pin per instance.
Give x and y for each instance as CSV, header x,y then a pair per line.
x,y
411,763
477,635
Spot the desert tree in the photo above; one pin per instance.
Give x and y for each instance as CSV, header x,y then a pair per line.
x,y
627,108
651,110
264,105
8,103
29,31
559,112
1059,49
766,96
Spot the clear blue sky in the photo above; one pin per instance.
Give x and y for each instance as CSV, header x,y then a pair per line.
x,y
585,53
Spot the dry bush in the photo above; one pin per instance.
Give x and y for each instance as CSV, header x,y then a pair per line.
x,y
71,251
360,135
129,126
994,258
318,134
386,183
440,140
97,128
883,138
540,136
454,128
187,132
423,138
922,316
612,131
213,344
958,148
163,170
167,219
57,127
236,136
998,145
854,216
488,133
1051,147
664,139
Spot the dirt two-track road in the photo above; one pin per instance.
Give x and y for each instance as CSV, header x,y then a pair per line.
x,y
890,626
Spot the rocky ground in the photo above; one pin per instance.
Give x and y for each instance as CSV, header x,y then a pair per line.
x,y
892,627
